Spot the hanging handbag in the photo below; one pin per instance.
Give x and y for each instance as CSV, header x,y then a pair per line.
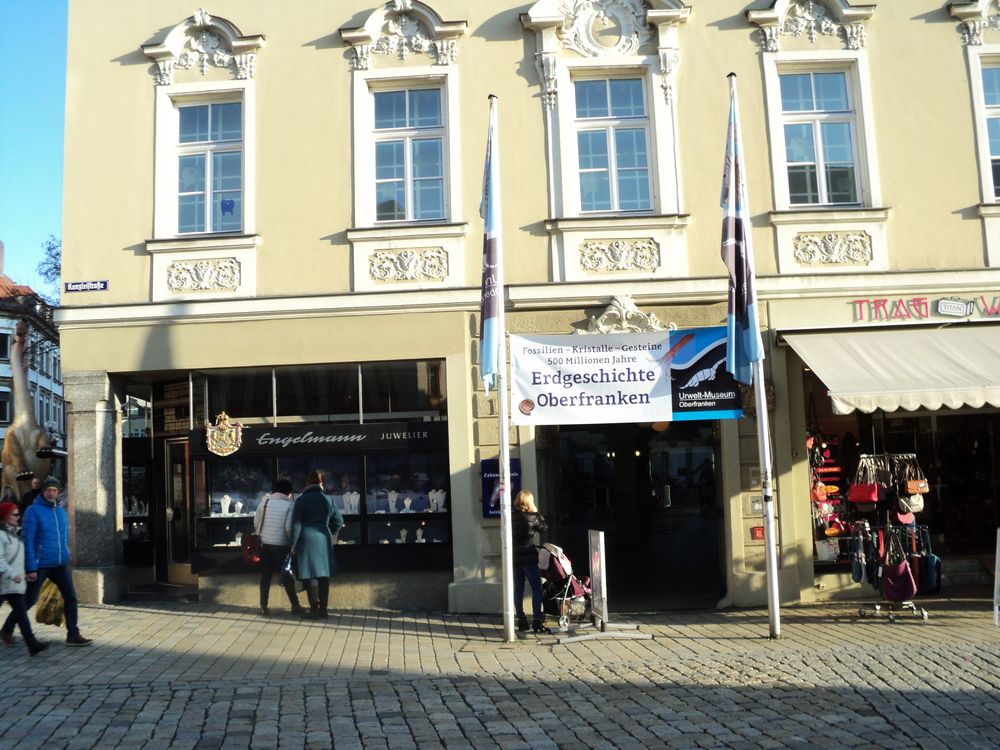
x,y
930,571
864,488
912,480
895,578
252,545
910,503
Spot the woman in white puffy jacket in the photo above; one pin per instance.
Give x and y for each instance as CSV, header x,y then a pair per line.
x,y
273,521
12,578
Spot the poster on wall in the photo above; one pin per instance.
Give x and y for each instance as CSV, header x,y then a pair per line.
x,y
626,377
490,473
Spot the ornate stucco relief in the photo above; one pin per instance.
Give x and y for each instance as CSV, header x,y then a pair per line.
x,y
620,255
594,28
811,19
624,316
408,265
837,248
401,28
202,42
208,275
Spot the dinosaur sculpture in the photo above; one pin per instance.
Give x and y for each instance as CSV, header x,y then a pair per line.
x,y
27,450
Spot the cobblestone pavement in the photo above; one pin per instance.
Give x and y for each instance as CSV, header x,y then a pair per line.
x,y
191,676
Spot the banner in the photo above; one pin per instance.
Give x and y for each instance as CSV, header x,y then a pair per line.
x,y
490,473
744,345
624,377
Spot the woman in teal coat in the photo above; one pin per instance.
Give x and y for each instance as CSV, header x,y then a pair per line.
x,y
314,517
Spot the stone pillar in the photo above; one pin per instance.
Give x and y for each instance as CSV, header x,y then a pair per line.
x,y
93,487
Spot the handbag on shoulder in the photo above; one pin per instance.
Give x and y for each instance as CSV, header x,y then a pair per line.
x,y
252,543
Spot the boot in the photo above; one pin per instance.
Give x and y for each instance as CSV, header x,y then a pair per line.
x,y
538,626
35,646
522,623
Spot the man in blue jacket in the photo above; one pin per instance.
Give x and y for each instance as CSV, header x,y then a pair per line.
x,y
45,533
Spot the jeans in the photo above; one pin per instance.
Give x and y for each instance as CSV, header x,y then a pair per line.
x,y
20,614
63,579
534,576
272,558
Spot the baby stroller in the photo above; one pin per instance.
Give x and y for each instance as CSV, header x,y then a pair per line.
x,y
563,594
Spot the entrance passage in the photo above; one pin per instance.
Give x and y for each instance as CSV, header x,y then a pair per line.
x,y
655,494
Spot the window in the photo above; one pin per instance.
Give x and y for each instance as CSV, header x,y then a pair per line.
x,y
4,407
210,168
205,167
612,139
409,155
991,102
818,123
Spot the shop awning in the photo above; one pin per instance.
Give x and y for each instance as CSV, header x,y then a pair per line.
x,y
905,369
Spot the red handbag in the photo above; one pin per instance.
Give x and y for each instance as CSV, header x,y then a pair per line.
x,y
251,542
866,492
864,488
251,549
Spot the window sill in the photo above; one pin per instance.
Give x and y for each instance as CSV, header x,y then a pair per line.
x,y
201,242
615,221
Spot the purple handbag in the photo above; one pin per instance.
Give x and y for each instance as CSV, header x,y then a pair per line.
x,y
896,579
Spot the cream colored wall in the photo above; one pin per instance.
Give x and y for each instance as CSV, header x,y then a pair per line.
x,y
304,127
922,112
202,345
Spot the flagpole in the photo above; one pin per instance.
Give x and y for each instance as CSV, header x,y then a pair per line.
x,y
744,345
503,418
770,540
493,351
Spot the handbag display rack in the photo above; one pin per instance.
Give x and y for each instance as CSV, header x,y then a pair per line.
x,y
899,560
899,564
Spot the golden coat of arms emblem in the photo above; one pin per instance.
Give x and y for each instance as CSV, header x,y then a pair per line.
x,y
224,437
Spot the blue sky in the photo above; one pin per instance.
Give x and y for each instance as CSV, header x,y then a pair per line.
x,y
32,93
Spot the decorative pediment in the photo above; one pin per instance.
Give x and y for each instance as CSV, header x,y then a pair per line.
x,y
603,29
622,315
812,19
201,42
975,18
400,28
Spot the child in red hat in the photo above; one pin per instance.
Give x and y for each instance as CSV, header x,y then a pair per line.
x,y
12,577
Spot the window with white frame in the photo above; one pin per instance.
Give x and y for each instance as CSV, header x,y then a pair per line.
x,y
4,346
818,122
991,104
409,154
5,407
205,140
210,167
612,143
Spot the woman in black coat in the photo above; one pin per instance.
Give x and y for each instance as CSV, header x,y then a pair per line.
x,y
525,522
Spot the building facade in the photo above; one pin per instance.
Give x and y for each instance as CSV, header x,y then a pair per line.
x,y
274,214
